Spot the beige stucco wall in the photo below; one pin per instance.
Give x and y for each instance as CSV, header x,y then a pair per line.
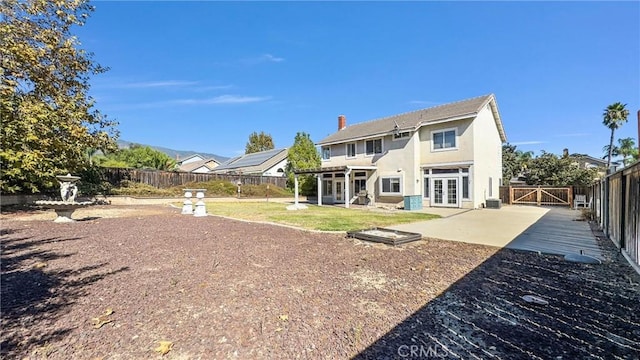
x,y
464,142
397,159
487,147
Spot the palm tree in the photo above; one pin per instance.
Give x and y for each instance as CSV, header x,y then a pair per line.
x,y
615,151
627,148
614,116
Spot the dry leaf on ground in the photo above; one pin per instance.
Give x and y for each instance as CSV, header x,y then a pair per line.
x,y
164,347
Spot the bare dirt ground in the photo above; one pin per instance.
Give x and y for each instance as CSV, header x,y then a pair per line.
x,y
116,284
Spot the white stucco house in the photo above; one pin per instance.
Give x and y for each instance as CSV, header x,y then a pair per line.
x,y
449,155
263,163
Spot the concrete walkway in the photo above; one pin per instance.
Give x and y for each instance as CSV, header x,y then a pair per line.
x,y
548,230
558,232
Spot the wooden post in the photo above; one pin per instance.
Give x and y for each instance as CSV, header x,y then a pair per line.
x,y
539,196
511,198
570,197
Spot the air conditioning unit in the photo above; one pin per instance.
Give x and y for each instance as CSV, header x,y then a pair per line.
x,y
493,203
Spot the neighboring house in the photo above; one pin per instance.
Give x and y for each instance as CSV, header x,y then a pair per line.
x,y
197,164
590,162
449,155
263,163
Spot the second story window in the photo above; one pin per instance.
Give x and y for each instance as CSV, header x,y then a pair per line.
x,y
401,135
445,139
351,150
326,152
373,146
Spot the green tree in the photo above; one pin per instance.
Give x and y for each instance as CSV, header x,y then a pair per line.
x,y
48,120
258,142
139,157
303,155
614,116
510,165
514,161
549,169
627,148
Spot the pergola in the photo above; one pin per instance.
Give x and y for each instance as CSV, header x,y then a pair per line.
x,y
346,170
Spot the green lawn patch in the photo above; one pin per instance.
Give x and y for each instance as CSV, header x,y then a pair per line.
x,y
328,218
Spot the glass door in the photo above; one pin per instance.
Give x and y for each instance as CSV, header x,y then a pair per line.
x,y
339,191
445,192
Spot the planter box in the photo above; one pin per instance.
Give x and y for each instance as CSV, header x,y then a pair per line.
x,y
385,236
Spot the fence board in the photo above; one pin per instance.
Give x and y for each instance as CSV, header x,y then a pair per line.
x,y
632,213
167,179
617,207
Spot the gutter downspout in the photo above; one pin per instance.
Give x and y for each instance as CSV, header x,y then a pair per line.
x,y
347,198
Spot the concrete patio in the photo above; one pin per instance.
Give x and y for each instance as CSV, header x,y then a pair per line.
x,y
547,230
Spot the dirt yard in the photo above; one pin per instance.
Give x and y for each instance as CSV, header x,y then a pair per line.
x,y
125,279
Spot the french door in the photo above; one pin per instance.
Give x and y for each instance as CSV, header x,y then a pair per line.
x,y
445,192
339,191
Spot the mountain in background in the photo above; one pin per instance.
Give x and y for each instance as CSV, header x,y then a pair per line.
x,y
181,154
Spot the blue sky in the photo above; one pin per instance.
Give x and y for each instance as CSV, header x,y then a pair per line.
x,y
203,75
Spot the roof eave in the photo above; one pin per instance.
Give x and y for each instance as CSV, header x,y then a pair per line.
x,y
390,132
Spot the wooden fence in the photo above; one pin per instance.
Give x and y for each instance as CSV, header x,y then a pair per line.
x,y
166,179
616,206
541,195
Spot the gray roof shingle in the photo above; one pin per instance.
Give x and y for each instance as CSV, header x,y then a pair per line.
x,y
413,120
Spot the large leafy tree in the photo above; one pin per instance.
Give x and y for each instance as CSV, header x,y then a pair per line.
x,y
303,155
139,157
48,119
259,142
514,161
549,169
614,116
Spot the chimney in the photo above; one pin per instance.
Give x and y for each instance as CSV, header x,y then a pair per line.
x,y
342,122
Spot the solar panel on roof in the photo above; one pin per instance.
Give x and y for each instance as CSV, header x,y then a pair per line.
x,y
254,159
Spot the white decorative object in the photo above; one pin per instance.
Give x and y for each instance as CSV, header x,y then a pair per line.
x,y
187,205
201,208
68,193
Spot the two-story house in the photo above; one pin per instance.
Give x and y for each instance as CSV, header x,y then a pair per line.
x,y
450,155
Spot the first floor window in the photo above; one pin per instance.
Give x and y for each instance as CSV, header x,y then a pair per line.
x,y
426,187
326,153
327,188
390,185
359,185
490,187
465,187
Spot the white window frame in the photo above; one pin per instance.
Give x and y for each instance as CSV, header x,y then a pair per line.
x,y
443,131
382,178
374,153
427,175
322,149
355,150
